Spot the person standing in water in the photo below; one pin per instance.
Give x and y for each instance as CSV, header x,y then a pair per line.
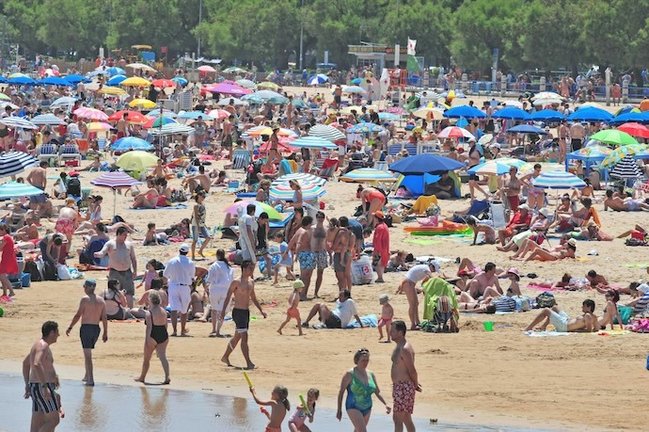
x,y
243,291
156,338
92,310
404,379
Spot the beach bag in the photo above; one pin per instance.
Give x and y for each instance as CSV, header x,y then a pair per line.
x,y
50,272
362,271
74,187
625,314
62,272
522,303
635,242
34,272
545,300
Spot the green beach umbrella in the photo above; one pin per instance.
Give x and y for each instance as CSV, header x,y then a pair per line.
x,y
614,137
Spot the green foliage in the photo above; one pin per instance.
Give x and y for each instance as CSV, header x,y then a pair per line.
x,y
542,34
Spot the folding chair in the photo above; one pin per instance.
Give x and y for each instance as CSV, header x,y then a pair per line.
x,y
497,211
240,159
329,167
46,152
69,152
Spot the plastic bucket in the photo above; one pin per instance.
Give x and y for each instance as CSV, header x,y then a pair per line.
x,y
488,326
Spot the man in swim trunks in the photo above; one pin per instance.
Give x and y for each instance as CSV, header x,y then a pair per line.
x,y
482,281
300,246
41,380
342,256
122,262
627,204
92,309
319,249
587,322
340,317
243,291
404,379
38,178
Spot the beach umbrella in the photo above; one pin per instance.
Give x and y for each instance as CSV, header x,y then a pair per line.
x,y
327,132
172,129
546,102
135,82
302,178
353,89
55,81
425,163
234,70
116,80
165,112
548,115
154,122
206,69
219,114
98,127
133,117
455,132
633,116
229,88
266,130
313,142
246,83
112,91
465,111
144,104
112,71
140,66
14,163
282,191
283,146
357,81
235,102
181,81
47,120
267,85
318,79
90,114
130,143
613,137
368,175
511,113
527,129
635,129
63,101
627,168
621,152
365,128
265,96
74,78
498,166
546,95
386,116
115,180
513,103
429,113
21,80
194,115
595,152
589,114
4,97
558,180
12,190
17,122
136,161
485,139
260,208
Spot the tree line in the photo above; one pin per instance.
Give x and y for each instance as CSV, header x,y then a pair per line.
x,y
529,34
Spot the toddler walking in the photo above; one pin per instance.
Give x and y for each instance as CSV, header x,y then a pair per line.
x,y
387,313
293,311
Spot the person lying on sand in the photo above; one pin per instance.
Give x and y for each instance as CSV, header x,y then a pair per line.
x,y
536,252
587,322
626,204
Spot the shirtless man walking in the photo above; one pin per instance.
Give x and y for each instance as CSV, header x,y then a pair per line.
x,y
38,178
300,246
343,245
319,249
41,380
122,262
92,310
243,291
404,379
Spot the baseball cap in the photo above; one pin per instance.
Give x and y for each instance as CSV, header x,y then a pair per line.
x,y
90,283
184,248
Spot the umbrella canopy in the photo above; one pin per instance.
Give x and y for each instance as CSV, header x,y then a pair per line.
x,y
135,82
17,122
429,113
425,163
498,166
511,113
229,88
133,117
527,129
265,96
115,179
90,114
267,85
194,115
614,137
153,122
47,119
593,153
313,142
353,89
267,130
302,178
172,129
164,83
558,180
14,163
548,115
130,143
136,161
386,116
234,70
365,128
546,95
246,83
633,116
635,129
327,132
590,114
260,208
55,81
282,191
112,91
140,66
165,112
206,69
63,101
318,79
145,104
21,80
455,132
116,80
219,114
98,126
74,78
11,190
621,152
235,102
282,146
627,168
181,81
368,175
465,111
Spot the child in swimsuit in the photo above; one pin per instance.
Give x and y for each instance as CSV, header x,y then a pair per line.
x,y
293,312
149,275
297,420
387,313
489,232
279,407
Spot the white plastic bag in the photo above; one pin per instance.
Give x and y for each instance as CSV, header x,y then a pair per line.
x,y
63,272
362,271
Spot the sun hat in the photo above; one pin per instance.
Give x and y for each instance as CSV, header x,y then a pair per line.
x,y
184,248
435,264
572,242
515,272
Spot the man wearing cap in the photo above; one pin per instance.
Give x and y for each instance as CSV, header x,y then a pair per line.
x,y
381,245
122,262
180,273
418,273
92,310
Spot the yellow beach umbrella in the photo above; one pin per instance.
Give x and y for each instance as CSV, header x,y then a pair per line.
x,y
135,82
113,91
98,127
136,160
268,86
142,103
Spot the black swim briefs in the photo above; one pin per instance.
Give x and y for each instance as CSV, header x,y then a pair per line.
x,y
241,318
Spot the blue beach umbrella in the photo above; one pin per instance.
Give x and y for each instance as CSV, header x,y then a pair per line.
x,y
116,80
638,117
74,78
130,143
368,175
11,190
465,111
527,129
511,113
180,81
424,163
590,114
21,80
313,142
55,81
549,115
558,180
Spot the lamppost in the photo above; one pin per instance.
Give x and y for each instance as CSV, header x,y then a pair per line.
x,y
301,32
200,20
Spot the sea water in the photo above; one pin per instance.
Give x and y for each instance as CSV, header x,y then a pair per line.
x,y
117,408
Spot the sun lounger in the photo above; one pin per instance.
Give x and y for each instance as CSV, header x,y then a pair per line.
x,y
69,152
46,152
497,210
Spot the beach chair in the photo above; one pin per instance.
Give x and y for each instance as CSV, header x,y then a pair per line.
x,y
497,215
240,159
69,152
394,149
46,152
285,167
233,186
329,168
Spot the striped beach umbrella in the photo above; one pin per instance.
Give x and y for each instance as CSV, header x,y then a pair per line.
x,y
455,132
260,208
47,119
558,180
627,168
172,129
14,163
302,178
17,122
63,101
90,114
365,128
499,166
313,143
327,132
281,191
11,190
368,175
115,180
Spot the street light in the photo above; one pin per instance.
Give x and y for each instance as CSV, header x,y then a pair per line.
x,y
200,19
301,32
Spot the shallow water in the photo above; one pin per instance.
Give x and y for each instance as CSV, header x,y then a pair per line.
x,y
112,408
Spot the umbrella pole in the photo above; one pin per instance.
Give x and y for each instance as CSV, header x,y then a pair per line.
x,y
114,202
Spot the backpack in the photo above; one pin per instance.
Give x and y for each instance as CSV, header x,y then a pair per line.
x,y
34,273
74,187
545,300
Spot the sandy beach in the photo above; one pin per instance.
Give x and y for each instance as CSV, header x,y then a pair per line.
x,y
575,382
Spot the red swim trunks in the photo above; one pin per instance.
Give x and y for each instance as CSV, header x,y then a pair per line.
x,y
403,394
293,313
66,227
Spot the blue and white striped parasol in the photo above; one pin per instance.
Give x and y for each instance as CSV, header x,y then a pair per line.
x,y
313,142
368,175
327,132
130,143
14,163
11,190
558,180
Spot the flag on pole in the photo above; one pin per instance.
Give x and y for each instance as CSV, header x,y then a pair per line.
x,y
412,65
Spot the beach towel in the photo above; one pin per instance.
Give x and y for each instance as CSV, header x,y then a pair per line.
x,y
546,333
616,332
367,320
172,207
433,289
422,203
422,241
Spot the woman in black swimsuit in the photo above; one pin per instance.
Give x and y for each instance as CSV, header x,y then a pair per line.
x,y
157,337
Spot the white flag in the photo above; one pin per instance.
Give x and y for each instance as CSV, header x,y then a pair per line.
x,y
411,46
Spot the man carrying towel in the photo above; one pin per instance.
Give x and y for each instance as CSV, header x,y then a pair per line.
x,y
92,309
